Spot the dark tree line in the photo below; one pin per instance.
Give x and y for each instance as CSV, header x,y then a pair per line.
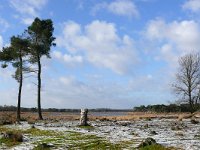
x,y
163,108
26,49
13,108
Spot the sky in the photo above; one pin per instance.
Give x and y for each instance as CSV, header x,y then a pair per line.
x,y
109,53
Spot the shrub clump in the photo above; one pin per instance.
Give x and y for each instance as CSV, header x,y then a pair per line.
x,y
193,121
151,144
7,118
13,136
43,146
147,142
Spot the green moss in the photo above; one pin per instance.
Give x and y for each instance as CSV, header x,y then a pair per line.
x,y
38,132
88,141
93,144
72,140
88,127
154,147
32,131
41,147
9,142
3,129
75,140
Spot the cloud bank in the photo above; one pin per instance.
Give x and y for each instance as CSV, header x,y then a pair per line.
x,y
100,44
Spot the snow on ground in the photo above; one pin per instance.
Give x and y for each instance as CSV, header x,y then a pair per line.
x,y
168,132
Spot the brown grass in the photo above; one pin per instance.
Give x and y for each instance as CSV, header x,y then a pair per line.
x,y
131,116
146,116
7,118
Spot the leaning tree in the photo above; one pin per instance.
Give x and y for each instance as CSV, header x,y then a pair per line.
x,y
187,84
40,34
15,54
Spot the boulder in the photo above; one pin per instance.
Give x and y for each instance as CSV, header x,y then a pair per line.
x,y
147,142
44,146
153,133
194,121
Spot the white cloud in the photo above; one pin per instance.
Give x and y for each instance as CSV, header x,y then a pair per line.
x,y
28,9
118,7
192,5
100,44
57,54
5,73
176,38
68,92
152,88
67,58
8,98
67,80
168,54
1,42
3,24
27,21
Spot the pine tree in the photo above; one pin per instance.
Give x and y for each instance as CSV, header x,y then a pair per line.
x,y
14,55
40,34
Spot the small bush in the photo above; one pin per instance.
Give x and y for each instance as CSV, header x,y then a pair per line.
x,y
88,127
32,122
148,119
193,121
104,119
153,133
11,138
147,142
43,146
146,126
7,118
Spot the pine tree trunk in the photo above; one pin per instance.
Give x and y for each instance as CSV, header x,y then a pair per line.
x,y
19,92
39,90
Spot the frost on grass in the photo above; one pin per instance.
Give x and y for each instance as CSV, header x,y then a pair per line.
x,y
107,134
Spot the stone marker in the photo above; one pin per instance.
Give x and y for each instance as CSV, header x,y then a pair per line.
x,y
84,118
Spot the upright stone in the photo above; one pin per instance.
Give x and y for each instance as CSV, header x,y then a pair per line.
x,y
84,118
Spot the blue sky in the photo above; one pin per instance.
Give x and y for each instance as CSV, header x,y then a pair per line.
x,y
109,53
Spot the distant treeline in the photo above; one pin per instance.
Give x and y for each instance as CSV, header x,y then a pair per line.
x,y
142,108
13,108
163,108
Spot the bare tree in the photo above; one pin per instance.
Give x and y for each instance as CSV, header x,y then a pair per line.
x,y
187,84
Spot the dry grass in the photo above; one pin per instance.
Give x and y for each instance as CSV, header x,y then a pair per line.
x,y
131,116
54,116
50,116
7,118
